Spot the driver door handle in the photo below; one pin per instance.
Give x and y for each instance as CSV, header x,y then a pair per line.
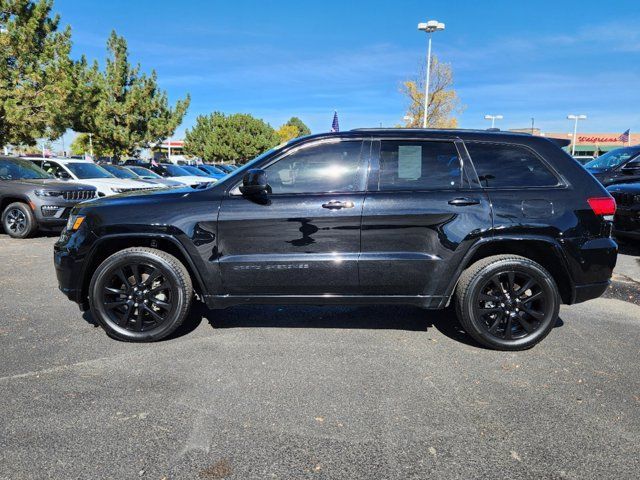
x,y
337,205
463,201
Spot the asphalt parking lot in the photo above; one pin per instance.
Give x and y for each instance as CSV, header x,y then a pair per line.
x,y
312,392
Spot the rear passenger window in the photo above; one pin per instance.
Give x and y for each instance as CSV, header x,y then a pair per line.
x,y
415,165
509,166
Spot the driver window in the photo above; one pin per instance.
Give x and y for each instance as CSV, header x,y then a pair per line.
x,y
52,168
320,168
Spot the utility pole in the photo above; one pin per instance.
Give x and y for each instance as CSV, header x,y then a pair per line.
x,y
429,27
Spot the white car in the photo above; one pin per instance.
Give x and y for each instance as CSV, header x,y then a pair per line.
x,y
88,173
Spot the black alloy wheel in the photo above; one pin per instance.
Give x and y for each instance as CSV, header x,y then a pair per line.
x,y
18,220
511,304
507,302
140,294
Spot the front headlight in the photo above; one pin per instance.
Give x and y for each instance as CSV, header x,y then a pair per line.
x,y
48,193
117,190
74,222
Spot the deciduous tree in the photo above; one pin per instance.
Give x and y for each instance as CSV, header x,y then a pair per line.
x,y
234,138
287,132
444,103
300,125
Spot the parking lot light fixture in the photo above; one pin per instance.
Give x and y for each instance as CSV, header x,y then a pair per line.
x,y
493,119
429,27
575,118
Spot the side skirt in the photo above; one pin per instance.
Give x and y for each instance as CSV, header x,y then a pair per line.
x,y
422,301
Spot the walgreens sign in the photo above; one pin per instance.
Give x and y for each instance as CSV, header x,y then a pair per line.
x,y
598,139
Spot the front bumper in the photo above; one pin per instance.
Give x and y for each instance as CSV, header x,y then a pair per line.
x,y
69,255
582,293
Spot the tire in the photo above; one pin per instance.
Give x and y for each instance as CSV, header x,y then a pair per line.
x,y
507,302
18,220
140,294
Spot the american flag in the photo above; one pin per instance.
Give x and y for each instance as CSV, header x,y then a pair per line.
x,y
624,138
335,126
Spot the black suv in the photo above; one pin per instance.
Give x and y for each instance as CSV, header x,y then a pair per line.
x,y
31,199
504,226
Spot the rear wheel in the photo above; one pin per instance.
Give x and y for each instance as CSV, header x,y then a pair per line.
x,y
140,294
507,302
18,220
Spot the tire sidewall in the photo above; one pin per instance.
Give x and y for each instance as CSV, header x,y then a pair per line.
x,y
30,218
104,271
545,280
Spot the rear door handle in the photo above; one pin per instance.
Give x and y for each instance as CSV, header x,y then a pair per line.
x,y
337,205
463,201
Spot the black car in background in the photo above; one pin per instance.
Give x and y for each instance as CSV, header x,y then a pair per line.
x,y
626,223
503,226
621,165
31,199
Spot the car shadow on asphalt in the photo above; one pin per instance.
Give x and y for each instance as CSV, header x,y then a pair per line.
x,y
383,317
387,317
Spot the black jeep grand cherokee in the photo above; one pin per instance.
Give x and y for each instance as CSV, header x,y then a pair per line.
x,y
505,226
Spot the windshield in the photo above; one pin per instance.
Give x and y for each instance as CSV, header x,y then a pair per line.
x,y
175,171
613,158
144,172
119,172
195,171
15,169
86,170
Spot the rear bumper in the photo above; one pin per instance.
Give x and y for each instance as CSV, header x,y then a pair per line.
x,y
582,293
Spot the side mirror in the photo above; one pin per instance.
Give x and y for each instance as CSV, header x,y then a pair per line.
x,y
254,183
631,169
63,174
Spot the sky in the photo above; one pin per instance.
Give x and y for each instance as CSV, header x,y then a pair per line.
x,y
276,59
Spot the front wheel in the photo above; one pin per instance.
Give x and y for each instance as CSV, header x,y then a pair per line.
x,y
140,294
507,302
18,220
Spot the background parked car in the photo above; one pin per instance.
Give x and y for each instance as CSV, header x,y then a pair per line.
x,y
120,171
626,222
212,170
225,167
30,199
621,165
199,173
82,171
179,174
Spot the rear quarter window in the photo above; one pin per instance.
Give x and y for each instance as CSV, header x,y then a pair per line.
x,y
509,166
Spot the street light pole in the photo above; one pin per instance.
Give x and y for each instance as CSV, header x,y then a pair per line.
x,y
493,119
575,118
429,27
91,145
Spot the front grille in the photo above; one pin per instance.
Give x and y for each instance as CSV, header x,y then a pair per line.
x,y
79,195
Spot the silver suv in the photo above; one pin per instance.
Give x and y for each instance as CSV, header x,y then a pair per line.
x,y
31,199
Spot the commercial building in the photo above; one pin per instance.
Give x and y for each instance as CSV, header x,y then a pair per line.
x,y
588,144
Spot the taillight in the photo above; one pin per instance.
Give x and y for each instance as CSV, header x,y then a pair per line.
x,y
602,205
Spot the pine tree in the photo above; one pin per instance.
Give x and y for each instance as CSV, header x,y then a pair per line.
x,y
36,73
129,111
234,138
